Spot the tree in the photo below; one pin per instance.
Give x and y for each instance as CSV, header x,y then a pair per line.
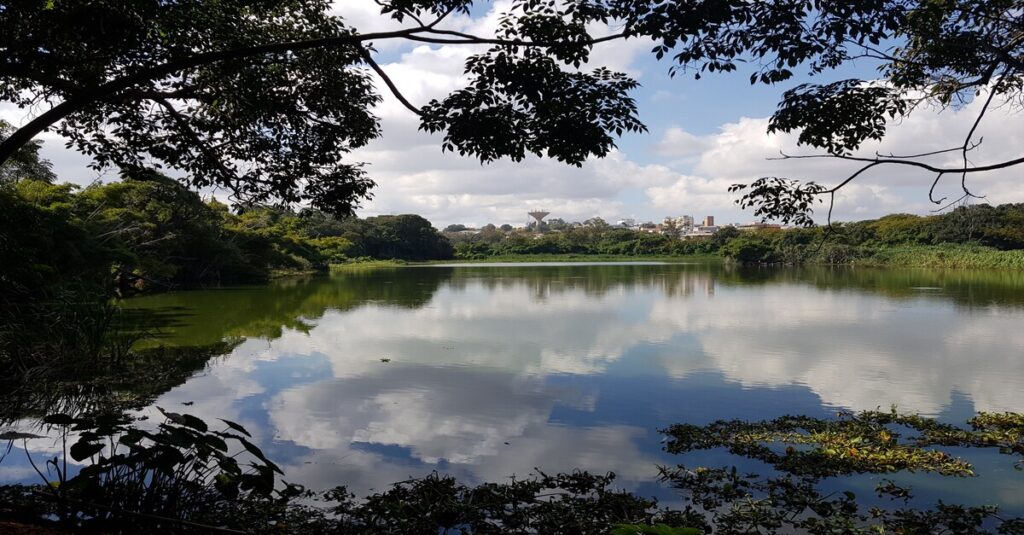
x,y
670,228
557,223
455,227
506,228
266,98
25,163
406,237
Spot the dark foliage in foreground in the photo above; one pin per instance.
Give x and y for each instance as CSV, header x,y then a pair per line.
x,y
184,476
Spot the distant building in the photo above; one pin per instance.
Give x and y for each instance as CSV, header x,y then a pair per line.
x,y
757,226
684,222
709,221
702,231
650,227
626,223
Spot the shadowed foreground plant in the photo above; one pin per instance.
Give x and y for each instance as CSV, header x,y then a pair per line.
x,y
579,502
183,477
172,475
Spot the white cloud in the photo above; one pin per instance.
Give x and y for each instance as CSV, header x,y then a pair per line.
x,y
742,151
678,143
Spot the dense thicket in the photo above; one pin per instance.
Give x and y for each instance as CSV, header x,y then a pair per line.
x,y
998,228
65,251
149,232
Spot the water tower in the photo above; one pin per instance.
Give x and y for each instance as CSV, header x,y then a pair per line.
x,y
539,215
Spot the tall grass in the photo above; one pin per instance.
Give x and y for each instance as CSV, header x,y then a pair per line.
x,y
943,256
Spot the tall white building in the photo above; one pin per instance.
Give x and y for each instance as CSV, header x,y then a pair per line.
x,y
684,222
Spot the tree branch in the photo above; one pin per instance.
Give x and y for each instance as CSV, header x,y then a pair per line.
x,y
896,161
387,81
970,134
440,18
926,154
228,175
470,38
83,98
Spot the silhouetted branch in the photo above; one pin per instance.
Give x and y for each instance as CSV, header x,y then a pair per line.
x,y
210,153
970,134
387,81
83,98
926,154
897,161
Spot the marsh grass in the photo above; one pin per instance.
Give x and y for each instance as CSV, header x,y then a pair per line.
x,y
943,256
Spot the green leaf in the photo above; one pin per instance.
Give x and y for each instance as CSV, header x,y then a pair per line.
x,y
83,450
253,449
236,427
194,423
657,529
226,484
58,419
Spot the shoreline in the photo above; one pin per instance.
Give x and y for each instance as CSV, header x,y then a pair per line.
x,y
954,257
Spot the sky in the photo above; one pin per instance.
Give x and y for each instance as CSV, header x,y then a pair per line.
x,y
704,135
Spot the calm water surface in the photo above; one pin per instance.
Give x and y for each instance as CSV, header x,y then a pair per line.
x,y
484,371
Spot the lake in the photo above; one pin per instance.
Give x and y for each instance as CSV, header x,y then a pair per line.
x,y
370,376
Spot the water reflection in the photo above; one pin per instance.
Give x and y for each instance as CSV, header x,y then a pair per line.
x,y
368,377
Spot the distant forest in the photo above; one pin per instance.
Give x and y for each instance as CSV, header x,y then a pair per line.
x,y
998,228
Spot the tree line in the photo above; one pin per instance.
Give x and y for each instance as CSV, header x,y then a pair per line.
x,y
983,229
148,232
995,227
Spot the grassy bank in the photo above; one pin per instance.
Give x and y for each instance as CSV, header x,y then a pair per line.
x,y
367,263
942,256
526,258
948,256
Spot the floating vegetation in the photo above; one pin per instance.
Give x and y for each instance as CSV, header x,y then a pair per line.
x,y
188,476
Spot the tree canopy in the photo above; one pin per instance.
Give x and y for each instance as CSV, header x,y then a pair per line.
x,y
268,98
25,163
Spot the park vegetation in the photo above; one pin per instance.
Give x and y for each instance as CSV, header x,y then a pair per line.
x,y
979,236
67,253
267,100
147,232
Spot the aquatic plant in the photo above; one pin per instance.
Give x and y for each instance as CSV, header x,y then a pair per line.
x,y
805,452
183,476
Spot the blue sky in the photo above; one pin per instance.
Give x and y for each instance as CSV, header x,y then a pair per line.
x,y
704,136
